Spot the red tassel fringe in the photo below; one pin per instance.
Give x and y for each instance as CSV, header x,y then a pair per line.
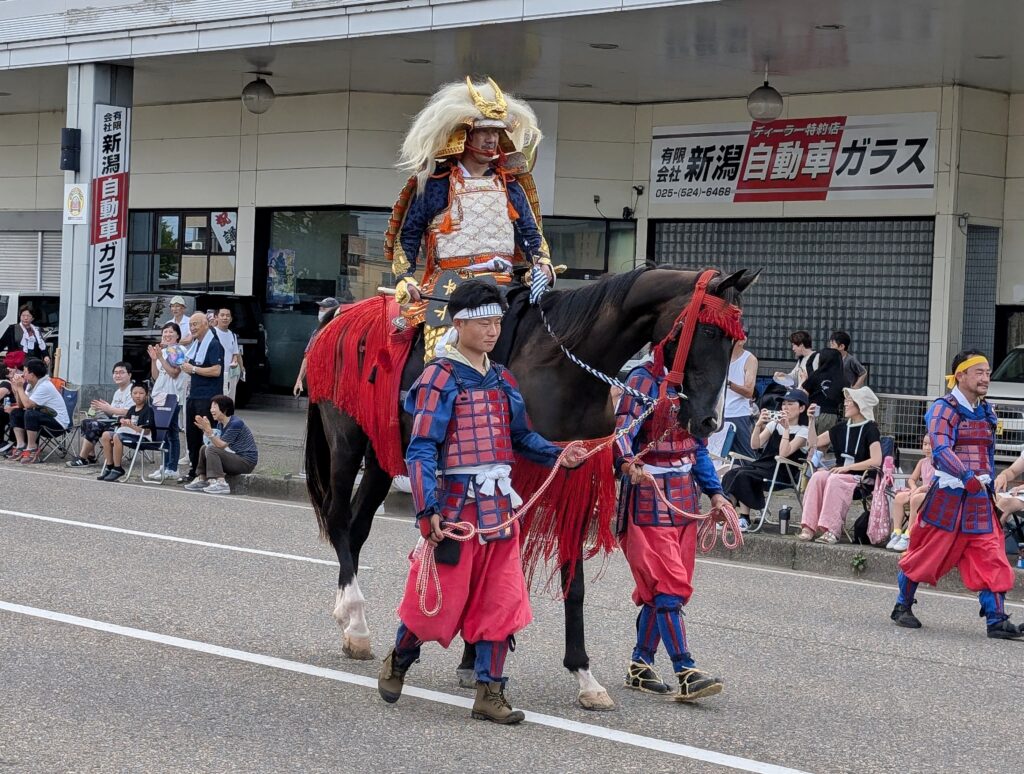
x,y
364,332
579,503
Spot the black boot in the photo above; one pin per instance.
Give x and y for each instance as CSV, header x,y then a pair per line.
x,y
1004,630
904,616
391,678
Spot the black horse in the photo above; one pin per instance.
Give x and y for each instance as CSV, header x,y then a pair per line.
x,y
603,324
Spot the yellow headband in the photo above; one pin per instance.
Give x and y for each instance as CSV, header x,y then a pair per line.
x,y
968,363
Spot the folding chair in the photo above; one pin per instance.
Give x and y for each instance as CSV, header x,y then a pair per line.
x,y
158,443
720,446
792,477
61,442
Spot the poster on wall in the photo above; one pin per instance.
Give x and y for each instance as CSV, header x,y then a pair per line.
x,y
281,276
109,207
828,158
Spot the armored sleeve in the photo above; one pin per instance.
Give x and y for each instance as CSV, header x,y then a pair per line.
x,y
422,211
528,235
627,412
704,470
525,440
941,421
430,401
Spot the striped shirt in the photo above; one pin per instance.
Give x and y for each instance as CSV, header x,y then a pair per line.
x,y
237,436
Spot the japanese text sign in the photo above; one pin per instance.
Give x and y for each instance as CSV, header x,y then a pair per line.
x,y
109,232
828,158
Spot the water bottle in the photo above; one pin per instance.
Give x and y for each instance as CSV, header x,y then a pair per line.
x,y
784,513
1020,560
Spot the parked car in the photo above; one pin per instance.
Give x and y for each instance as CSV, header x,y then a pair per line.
x,y
45,311
1006,392
146,313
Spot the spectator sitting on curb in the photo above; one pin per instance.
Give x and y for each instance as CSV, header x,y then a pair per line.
x,y
40,405
917,489
93,427
13,364
168,379
139,420
855,373
229,449
326,308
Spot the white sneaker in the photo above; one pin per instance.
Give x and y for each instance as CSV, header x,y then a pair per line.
x,y
892,541
744,524
184,460
218,487
197,485
157,475
902,544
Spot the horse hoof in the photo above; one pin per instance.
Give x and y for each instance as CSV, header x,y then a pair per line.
x,y
596,701
357,648
467,678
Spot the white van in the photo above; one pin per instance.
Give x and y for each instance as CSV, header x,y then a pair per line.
x,y
1006,393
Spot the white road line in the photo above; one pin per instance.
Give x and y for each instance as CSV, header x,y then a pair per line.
x,y
551,721
172,538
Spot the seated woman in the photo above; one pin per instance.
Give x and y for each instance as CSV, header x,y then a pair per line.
x,y
228,449
785,437
857,444
913,496
1009,499
139,421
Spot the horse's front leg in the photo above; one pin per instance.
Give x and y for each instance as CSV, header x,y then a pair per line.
x,y
592,695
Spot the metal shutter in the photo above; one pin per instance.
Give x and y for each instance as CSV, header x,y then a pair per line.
x,y
51,261
19,251
872,278
981,269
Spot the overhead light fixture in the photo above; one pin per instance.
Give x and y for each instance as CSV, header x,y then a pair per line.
x,y
580,85
413,60
764,103
990,57
605,46
830,27
258,96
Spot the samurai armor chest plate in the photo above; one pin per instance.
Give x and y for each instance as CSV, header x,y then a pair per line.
x,y
480,429
974,438
480,222
676,447
639,504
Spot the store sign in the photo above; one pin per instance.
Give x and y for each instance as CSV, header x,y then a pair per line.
x,y
109,232
76,204
829,158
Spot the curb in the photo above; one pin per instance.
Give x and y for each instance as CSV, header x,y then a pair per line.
x,y
767,549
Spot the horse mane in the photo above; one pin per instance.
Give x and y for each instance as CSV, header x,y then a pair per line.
x,y
571,313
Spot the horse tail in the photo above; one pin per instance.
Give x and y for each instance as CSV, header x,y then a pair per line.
x,y
318,468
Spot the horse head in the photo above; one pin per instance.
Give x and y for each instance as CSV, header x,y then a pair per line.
x,y
707,359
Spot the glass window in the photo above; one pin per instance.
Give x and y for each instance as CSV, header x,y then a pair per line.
x,y
590,248
182,250
136,314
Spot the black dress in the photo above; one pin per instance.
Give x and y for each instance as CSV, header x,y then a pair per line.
x,y
746,483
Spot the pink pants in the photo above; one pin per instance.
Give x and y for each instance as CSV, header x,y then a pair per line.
x,y
827,500
661,560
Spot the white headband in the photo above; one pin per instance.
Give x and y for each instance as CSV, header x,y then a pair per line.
x,y
487,310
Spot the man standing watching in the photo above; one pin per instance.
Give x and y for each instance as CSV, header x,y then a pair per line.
x,y
742,381
41,405
856,374
179,318
800,343
204,363
325,310
957,525
232,352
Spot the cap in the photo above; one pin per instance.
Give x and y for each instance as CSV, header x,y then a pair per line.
x,y
177,300
329,303
796,395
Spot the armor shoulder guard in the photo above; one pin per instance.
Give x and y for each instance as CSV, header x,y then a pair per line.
x,y
641,378
504,375
436,377
393,252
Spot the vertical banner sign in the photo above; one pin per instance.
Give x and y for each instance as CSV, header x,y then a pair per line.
x,y
109,206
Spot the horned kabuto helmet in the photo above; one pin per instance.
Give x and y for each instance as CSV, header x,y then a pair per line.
x,y
440,130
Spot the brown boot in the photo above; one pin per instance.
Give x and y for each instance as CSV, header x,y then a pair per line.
x,y
694,684
492,705
390,679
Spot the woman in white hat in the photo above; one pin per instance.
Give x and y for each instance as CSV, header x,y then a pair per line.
x,y
857,444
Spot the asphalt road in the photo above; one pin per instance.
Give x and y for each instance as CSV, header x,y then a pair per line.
x,y
122,652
